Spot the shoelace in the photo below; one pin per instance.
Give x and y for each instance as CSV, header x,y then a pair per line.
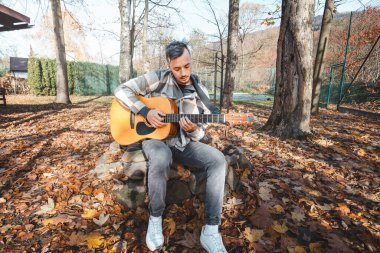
x,y
156,228
218,242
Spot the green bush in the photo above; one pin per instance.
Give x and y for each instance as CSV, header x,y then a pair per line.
x,y
84,78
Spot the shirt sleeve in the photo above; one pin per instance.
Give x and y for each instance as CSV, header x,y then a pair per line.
x,y
128,92
198,133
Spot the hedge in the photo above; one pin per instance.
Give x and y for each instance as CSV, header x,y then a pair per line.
x,y
84,78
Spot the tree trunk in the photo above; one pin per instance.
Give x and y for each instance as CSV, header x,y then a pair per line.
x,y
60,52
290,115
125,41
132,38
144,45
321,50
232,44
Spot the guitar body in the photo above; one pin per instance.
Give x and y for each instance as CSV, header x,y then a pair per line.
x,y
128,128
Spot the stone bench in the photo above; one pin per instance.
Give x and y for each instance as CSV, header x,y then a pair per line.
x,y
129,166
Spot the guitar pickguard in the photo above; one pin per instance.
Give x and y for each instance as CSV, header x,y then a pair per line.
x,y
143,129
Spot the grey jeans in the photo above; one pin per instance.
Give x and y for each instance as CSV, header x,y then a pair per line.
x,y
196,155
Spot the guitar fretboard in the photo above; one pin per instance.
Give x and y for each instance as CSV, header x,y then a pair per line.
x,y
196,118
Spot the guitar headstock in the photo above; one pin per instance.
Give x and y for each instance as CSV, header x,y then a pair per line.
x,y
234,118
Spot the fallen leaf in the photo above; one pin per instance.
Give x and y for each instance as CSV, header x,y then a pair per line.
x,y
100,196
89,213
280,228
191,240
232,202
171,225
76,239
94,240
87,190
297,249
315,247
262,217
57,220
4,229
278,209
25,236
102,219
298,216
3,200
343,208
48,207
265,193
253,235
119,247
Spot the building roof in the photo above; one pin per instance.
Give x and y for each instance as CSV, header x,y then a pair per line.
x,y
12,20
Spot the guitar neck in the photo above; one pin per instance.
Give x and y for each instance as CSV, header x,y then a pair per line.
x,y
196,118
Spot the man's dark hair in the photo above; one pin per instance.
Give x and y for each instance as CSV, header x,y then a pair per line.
x,y
175,49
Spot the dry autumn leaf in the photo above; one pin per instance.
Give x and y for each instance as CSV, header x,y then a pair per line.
x,y
265,193
277,209
315,247
89,214
253,235
298,216
171,225
94,240
191,240
48,207
280,228
76,239
57,220
297,249
102,219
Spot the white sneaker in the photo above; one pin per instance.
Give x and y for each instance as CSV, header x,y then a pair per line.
x,y
212,243
154,237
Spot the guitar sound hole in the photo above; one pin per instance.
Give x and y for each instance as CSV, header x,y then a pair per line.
x,y
143,129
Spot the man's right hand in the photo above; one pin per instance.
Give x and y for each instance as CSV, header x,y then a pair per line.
x,y
155,118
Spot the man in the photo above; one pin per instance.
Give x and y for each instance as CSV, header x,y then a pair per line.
x,y
177,83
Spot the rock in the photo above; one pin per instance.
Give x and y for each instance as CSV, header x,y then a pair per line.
x,y
133,156
114,147
231,179
133,167
132,194
136,170
106,171
102,159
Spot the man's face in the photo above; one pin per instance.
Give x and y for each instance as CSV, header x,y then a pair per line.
x,y
181,68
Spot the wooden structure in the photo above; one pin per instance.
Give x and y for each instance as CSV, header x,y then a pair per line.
x,y
12,20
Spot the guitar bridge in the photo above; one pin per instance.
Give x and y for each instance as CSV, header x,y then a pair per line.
x,y
132,120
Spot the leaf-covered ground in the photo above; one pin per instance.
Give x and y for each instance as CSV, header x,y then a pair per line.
x,y
320,195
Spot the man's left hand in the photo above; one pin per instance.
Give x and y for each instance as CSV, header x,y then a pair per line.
x,y
187,125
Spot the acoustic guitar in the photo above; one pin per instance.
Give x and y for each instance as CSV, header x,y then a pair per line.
x,y
128,127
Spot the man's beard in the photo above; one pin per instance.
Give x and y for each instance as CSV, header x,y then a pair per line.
x,y
183,80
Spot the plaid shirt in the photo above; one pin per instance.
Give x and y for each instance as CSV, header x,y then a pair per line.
x,y
162,83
